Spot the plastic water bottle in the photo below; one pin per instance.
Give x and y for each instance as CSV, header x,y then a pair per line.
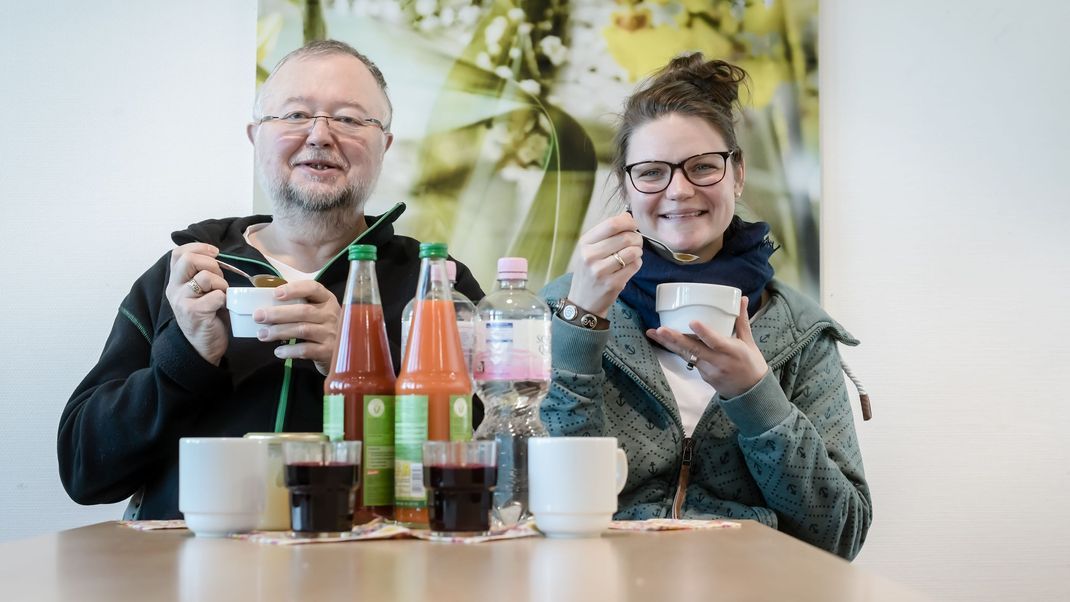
x,y
466,318
511,368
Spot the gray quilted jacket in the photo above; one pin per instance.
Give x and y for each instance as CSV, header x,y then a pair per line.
x,y
784,453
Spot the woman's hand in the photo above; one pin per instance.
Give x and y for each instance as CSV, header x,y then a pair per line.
x,y
732,365
612,253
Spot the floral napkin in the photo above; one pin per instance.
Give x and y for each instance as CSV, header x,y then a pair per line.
x,y
377,529
153,525
668,524
382,529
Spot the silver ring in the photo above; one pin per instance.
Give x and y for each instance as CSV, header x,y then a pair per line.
x,y
691,360
616,255
193,286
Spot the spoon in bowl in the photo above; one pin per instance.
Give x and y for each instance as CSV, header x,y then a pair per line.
x,y
679,256
260,280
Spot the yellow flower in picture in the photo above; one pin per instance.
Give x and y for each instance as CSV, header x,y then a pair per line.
x,y
641,51
766,75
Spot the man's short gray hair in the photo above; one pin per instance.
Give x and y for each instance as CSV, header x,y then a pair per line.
x,y
326,48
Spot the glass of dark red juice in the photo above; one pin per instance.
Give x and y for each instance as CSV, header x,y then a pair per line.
x,y
459,477
322,477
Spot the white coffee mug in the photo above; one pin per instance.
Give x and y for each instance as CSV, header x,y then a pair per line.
x,y
573,484
222,483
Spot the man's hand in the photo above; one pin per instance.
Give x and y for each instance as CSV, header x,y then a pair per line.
x,y
313,323
196,291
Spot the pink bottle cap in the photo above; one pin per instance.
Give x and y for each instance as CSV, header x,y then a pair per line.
x,y
512,268
451,270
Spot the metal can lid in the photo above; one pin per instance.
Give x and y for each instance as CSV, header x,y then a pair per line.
x,y
280,437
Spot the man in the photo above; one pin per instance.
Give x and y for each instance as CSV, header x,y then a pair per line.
x,y
170,368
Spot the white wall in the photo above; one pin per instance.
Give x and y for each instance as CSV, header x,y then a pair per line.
x,y
944,139
122,122
945,154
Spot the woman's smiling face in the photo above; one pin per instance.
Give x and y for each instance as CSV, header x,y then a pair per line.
x,y
686,217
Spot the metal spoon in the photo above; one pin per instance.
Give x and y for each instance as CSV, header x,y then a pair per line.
x,y
677,255
260,280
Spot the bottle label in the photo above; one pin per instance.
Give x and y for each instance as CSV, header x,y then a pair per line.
x,y
467,330
410,432
512,350
460,417
378,448
334,417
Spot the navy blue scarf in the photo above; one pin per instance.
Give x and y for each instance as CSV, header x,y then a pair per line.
x,y
743,262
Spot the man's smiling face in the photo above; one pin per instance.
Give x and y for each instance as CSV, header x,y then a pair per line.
x,y
317,167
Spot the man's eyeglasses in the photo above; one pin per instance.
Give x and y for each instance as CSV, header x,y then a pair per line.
x,y
342,125
651,177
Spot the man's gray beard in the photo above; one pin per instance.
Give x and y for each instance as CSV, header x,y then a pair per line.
x,y
288,199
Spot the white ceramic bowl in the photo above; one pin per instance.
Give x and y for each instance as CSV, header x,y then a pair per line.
x,y
242,301
715,305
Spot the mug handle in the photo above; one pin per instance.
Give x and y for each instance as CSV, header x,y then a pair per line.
x,y
622,469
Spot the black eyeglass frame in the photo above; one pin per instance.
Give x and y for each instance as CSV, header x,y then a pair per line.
x,y
726,155
294,119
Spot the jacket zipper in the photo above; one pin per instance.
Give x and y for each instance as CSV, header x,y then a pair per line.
x,y
688,443
642,384
685,476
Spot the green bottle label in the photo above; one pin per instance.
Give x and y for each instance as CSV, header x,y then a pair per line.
x,y
410,432
378,449
460,417
334,417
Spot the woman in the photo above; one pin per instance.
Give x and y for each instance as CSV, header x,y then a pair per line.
x,y
755,426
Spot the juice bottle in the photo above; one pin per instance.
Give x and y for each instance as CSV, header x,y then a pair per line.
x,y
434,390
462,306
358,400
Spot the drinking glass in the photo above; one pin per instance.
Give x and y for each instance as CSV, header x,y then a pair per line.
x,y
460,477
322,477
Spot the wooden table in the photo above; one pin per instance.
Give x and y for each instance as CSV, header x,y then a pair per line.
x,y
110,562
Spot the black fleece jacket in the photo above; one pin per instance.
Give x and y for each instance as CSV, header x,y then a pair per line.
x,y
118,435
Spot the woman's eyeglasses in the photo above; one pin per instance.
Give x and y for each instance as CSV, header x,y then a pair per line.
x,y
707,169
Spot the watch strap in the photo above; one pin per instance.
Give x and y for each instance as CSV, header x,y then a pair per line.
x,y
578,316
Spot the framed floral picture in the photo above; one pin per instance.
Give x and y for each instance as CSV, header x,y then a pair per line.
x,y
504,112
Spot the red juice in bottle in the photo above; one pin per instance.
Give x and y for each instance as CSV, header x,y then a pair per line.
x,y
434,390
358,400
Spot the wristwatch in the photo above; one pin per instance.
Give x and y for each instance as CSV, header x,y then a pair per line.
x,y
574,314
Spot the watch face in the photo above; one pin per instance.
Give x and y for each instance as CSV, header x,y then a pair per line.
x,y
569,312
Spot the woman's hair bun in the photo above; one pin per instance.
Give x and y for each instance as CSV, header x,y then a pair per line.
x,y
716,79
